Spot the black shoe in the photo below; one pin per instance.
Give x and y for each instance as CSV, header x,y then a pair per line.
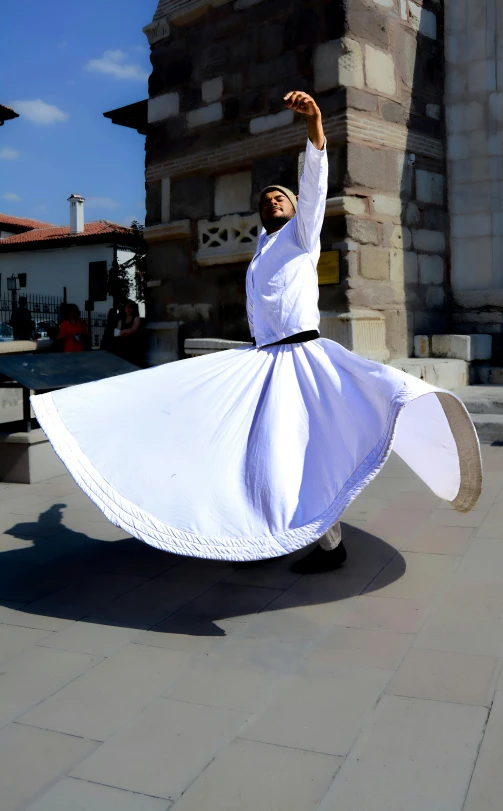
x,y
320,560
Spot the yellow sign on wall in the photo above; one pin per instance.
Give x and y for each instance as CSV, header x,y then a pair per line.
x,y
328,268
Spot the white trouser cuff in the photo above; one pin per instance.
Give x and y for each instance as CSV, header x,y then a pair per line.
x,y
332,538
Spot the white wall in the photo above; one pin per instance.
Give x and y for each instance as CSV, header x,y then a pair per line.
x,y
48,272
5,234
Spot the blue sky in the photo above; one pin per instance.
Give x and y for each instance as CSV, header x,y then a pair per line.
x,y
62,65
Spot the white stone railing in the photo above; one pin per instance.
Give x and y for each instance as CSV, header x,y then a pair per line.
x,y
230,239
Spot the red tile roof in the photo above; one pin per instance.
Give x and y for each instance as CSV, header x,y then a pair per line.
x,y
23,222
57,232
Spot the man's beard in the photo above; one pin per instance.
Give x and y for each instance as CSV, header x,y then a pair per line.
x,y
274,223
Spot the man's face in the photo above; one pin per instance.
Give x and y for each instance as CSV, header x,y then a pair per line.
x,y
275,210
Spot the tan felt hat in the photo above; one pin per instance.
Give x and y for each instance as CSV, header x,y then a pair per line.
x,y
287,192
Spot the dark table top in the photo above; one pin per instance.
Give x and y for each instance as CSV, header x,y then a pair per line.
x,y
58,370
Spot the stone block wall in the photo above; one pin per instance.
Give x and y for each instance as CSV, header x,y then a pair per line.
x,y
474,114
391,61
218,132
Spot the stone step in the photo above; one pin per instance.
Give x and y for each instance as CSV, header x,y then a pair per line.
x,y
442,372
489,375
489,427
482,399
463,347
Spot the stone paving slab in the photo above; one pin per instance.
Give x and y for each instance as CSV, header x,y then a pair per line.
x,y
414,575
34,675
248,776
14,639
413,755
189,634
90,637
244,674
103,699
385,614
138,680
71,794
320,709
486,787
32,758
446,676
164,749
439,540
468,620
362,648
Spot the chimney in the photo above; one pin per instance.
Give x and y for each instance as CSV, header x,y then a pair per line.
x,y
76,213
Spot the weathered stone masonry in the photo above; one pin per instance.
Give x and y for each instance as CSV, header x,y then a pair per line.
x,y
474,112
218,132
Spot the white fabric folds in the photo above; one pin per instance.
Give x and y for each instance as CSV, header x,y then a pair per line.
x,y
253,453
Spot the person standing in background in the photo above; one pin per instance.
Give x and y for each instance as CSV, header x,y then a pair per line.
x,y
21,321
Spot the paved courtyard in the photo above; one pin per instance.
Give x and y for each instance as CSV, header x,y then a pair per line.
x,y
133,680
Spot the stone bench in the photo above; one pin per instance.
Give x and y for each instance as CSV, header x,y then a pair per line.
x,y
206,346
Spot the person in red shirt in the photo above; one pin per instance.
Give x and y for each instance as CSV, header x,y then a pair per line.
x,y
73,331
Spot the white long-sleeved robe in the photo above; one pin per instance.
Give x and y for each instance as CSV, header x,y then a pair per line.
x,y
282,280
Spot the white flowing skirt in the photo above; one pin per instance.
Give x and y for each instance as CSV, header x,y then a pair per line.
x,y
253,453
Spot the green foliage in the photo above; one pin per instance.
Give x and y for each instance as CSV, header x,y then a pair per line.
x,y
119,285
119,279
140,259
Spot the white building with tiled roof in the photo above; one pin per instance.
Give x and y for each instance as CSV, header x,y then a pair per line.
x,y
69,261
10,226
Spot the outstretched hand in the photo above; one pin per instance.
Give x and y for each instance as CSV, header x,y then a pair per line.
x,y
302,103
305,104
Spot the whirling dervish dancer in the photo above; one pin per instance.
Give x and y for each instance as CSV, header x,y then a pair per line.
x,y
256,452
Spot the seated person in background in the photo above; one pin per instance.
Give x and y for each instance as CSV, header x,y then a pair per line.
x,y
21,321
73,331
130,321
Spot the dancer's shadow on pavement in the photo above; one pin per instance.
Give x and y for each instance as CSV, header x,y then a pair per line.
x,y
57,571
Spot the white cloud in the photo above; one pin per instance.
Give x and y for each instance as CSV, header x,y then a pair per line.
x,y
10,195
101,202
140,49
114,63
62,44
8,154
42,208
39,111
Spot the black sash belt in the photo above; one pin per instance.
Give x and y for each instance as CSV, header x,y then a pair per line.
x,y
299,338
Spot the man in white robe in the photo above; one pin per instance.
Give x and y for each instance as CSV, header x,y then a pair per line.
x,y
291,264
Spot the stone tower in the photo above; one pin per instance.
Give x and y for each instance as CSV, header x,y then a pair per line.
x,y
218,132
474,115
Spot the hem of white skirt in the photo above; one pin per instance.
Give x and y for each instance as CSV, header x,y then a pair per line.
x,y
140,524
